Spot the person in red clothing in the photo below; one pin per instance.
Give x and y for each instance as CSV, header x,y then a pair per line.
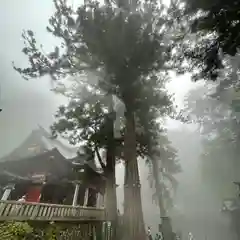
x,y
34,194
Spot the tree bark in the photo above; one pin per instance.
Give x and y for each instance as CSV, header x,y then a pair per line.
x,y
134,228
158,188
111,196
166,226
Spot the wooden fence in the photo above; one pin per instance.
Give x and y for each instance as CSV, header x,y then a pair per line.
x,y
25,211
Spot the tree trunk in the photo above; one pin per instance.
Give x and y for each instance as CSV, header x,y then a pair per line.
x,y
111,197
166,227
158,188
134,228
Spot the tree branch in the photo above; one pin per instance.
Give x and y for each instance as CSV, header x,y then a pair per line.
x,y
100,159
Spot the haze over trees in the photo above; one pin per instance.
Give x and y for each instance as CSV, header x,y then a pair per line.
x,y
122,51
135,75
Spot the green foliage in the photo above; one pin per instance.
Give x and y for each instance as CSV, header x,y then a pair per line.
x,y
127,53
52,232
216,24
91,42
83,119
124,49
124,45
23,231
15,230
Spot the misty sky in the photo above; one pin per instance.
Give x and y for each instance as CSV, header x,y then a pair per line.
x,y
24,103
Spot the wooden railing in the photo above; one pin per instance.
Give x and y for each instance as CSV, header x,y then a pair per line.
x,y
22,211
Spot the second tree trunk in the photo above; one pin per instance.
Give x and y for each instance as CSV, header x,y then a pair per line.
x,y
134,228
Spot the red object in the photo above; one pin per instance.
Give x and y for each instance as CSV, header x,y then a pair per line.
x,y
33,194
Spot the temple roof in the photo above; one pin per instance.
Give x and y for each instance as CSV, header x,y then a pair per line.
x,y
39,141
40,154
52,166
8,177
50,161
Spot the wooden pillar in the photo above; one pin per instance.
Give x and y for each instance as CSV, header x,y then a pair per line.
x,y
104,199
98,203
7,191
86,197
75,197
100,200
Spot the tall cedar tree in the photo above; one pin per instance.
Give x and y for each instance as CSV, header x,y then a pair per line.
x,y
126,43
85,119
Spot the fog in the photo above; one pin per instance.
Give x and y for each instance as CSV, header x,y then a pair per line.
x,y
24,103
28,103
